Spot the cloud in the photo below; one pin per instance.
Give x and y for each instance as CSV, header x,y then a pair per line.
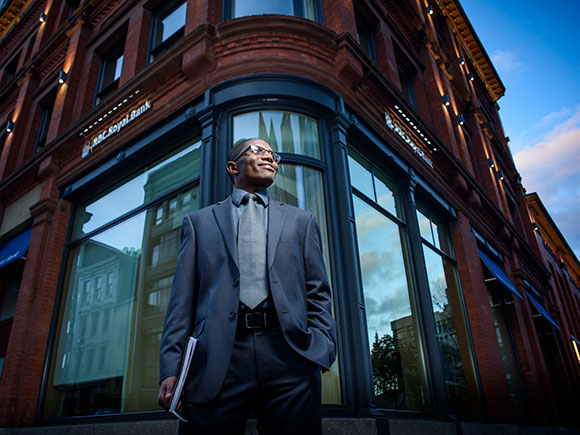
x,y
557,154
551,167
507,62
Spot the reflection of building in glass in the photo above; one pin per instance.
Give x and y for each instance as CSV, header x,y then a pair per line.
x,y
356,98
406,341
449,348
92,353
161,237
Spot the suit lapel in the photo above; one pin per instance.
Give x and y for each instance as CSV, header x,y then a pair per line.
x,y
223,215
277,215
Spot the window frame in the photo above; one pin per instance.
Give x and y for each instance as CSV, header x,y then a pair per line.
x,y
369,34
47,106
290,104
112,55
154,51
159,141
415,195
87,291
407,73
405,225
228,12
437,217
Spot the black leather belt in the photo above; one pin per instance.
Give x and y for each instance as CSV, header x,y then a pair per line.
x,y
256,320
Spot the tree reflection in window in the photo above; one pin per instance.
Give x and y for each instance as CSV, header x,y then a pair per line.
x,y
398,374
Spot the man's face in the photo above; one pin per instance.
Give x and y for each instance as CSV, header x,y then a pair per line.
x,y
253,172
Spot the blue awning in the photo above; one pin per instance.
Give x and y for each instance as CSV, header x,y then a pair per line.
x,y
542,310
15,248
499,274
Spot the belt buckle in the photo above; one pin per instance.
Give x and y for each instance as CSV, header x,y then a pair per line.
x,y
255,320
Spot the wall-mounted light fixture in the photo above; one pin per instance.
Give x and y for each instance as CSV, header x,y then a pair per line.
x,y
535,226
9,126
500,175
460,119
445,100
471,77
507,139
491,162
430,10
42,17
62,77
461,60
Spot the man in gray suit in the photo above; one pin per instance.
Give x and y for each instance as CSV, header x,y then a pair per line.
x,y
251,285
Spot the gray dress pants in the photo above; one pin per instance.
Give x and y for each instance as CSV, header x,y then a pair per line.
x,y
268,377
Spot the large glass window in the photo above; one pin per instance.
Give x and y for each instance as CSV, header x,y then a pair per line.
x,y
297,185
121,264
299,8
168,27
452,338
393,330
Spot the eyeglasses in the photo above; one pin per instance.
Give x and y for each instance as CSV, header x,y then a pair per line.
x,y
260,151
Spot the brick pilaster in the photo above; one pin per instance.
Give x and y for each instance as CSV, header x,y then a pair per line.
x,y
66,97
14,140
26,354
487,353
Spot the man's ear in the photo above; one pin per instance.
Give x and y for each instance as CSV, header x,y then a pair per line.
x,y
232,168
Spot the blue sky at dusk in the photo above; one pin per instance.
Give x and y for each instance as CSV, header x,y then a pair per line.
x,y
535,48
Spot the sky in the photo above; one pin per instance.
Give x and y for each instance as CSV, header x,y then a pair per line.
x,y
535,48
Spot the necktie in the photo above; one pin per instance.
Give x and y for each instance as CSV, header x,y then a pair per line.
x,y
252,255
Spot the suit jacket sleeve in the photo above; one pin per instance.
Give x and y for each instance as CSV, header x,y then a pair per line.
x,y
319,300
179,317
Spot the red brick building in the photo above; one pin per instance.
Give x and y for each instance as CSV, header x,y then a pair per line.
x,y
116,119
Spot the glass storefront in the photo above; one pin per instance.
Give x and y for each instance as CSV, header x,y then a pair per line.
x,y
121,263
399,378
123,249
297,185
448,314
396,345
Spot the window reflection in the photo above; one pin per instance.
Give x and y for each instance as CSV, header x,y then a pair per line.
x,y
168,27
361,176
168,174
371,183
452,338
171,23
116,294
297,8
286,132
398,372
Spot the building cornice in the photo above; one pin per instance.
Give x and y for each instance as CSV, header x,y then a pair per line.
x,y
12,14
472,45
552,235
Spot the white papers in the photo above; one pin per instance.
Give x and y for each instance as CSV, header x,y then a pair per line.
x,y
179,384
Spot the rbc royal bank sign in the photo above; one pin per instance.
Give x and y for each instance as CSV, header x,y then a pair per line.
x,y
115,128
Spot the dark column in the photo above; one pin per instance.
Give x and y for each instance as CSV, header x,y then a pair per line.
x,y
422,297
353,351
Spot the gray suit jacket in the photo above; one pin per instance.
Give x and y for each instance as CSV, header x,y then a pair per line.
x,y
205,294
